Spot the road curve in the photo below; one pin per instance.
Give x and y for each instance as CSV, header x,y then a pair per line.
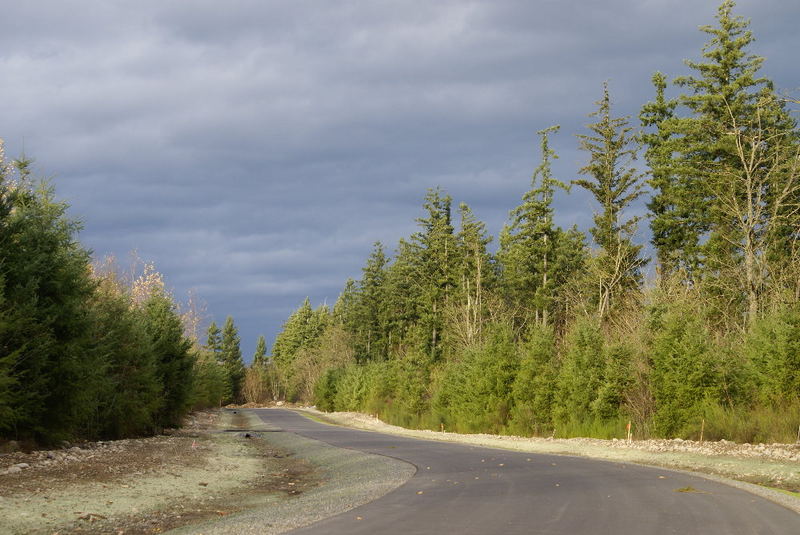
x,y
467,489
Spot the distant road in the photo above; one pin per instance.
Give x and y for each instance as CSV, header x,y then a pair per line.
x,y
466,489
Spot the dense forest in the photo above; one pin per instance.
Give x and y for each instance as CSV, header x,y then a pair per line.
x,y
88,351
560,333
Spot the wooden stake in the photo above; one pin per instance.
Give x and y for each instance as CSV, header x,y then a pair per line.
x,y
702,428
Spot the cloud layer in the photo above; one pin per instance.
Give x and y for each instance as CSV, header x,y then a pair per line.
x,y
255,150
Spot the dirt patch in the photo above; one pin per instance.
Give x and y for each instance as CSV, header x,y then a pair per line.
x,y
204,470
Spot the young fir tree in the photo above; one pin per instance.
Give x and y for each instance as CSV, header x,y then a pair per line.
x,y
301,330
54,378
260,356
344,310
581,373
174,361
675,226
403,296
370,334
232,358
214,340
534,389
615,184
536,257
130,399
435,262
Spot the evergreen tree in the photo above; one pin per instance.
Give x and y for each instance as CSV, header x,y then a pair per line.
x,y
214,340
232,359
301,331
433,260
344,310
371,341
260,356
475,278
696,162
675,227
684,372
617,379
130,397
772,347
615,184
534,387
174,360
44,318
537,257
581,373
477,393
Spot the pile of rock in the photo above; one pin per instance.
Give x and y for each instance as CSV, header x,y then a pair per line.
x,y
780,452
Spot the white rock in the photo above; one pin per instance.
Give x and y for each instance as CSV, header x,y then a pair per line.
x,y
22,466
13,470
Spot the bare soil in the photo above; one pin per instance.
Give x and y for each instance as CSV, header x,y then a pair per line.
x,y
150,485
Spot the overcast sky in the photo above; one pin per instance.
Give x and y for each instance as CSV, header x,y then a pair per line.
x,y
254,150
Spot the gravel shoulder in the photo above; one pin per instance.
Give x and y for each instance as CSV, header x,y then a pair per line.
x,y
769,470
133,486
349,479
224,472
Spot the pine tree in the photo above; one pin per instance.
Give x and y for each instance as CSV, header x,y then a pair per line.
x,y
615,184
232,358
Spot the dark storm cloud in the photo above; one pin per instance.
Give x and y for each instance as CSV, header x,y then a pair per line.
x,y
255,150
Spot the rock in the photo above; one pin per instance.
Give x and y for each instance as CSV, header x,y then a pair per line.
x,y
13,470
22,466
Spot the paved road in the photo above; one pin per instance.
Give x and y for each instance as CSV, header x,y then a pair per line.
x,y
464,489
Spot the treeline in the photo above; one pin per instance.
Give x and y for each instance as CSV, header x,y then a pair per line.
x,y
85,352
554,336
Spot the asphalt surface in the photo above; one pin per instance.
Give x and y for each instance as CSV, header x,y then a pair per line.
x,y
466,489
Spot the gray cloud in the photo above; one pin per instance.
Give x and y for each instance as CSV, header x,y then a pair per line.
x,y
255,150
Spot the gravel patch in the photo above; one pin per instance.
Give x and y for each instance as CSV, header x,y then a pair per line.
x,y
348,479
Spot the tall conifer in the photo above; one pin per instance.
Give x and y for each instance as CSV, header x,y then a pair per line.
x,y
260,356
232,358
536,256
615,184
